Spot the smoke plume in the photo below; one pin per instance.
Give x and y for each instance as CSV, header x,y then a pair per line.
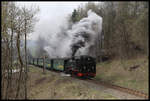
x,y
78,39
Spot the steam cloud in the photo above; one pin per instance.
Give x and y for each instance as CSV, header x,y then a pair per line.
x,y
78,39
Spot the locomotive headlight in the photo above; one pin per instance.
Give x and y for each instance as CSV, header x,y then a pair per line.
x,y
79,74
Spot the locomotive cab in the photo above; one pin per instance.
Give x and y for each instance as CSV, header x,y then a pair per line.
x,y
70,66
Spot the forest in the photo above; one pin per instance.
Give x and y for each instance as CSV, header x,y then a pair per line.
x,y
124,28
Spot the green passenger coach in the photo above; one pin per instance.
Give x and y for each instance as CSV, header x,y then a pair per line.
x,y
48,63
58,64
40,62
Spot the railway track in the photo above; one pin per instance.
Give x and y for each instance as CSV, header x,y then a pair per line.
x,y
122,89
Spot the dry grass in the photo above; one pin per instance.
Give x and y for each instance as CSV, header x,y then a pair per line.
x,y
52,86
117,72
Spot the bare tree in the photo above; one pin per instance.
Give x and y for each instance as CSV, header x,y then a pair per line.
x,y
29,21
16,23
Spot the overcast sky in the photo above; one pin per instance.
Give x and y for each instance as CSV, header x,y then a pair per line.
x,y
51,16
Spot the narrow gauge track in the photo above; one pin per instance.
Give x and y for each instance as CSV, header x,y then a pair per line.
x,y
122,89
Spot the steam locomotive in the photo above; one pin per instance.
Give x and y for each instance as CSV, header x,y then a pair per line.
x,y
80,66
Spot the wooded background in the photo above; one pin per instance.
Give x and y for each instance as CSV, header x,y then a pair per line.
x,y
124,29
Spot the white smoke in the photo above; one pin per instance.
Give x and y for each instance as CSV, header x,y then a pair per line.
x,y
85,31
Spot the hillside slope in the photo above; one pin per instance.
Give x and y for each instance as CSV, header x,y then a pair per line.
x,y
118,72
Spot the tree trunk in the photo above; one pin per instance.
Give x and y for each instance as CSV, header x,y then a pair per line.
x,y
21,63
44,65
26,75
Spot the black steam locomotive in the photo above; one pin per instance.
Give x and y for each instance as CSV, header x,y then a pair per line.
x,y
81,66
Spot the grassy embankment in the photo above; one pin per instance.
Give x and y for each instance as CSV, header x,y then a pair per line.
x,y
117,72
53,86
